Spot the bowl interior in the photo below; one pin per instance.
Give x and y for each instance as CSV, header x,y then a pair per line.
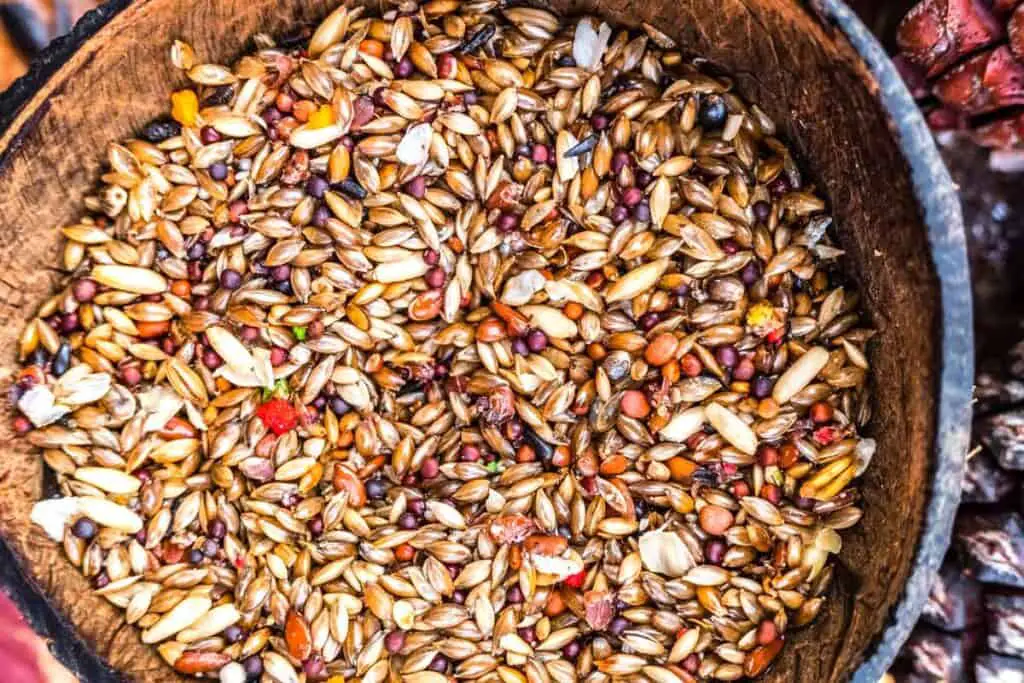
x,y
810,84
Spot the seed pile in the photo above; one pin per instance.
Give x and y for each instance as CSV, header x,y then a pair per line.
x,y
464,341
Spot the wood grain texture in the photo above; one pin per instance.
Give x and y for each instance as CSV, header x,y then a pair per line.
x,y
808,80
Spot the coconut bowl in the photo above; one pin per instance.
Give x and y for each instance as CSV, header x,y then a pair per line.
x,y
839,104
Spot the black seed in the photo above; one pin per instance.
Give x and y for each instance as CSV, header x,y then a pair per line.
x,y
565,60
542,448
478,39
221,95
39,357
160,130
351,188
61,360
712,112
583,146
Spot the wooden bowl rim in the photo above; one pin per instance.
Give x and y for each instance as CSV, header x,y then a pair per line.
x,y
941,215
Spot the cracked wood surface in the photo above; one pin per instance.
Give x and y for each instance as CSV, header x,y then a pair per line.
x,y
812,85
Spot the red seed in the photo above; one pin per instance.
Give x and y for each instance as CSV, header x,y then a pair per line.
x,y
635,404
767,632
715,520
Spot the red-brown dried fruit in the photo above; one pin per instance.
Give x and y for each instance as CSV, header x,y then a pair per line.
x,y
984,83
935,34
545,545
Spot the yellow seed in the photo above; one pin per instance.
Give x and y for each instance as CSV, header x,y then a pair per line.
x,y
185,107
322,117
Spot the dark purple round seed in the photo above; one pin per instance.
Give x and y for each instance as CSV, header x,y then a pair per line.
x,y
750,273
404,68
84,528
196,251
408,521
282,272
233,633
618,625
519,346
376,489
316,186
621,160
761,387
230,279
619,213
315,526
69,323
714,551
727,356
642,178
459,597
101,580
514,595
642,212
210,547
416,506
320,216
338,406
195,556
219,171
439,663
649,320
470,98
762,211
218,529
537,341
253,666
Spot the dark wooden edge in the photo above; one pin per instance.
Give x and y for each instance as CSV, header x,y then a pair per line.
x,y
934,190
940,206
50,623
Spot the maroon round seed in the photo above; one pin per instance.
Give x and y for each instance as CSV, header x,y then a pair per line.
x,y
439,664
537,341
208,135
507,222
315,526
84,290
571,650
744,370
632,196
404,68
211,359
278,356
714,551
431,257
430,468
469,453
417,187
417,506
250,334
619,213
621,160
435,278
131,375
217,529
230,279
598,122
22,425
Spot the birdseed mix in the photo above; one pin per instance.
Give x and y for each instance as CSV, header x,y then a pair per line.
x,y
465,341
